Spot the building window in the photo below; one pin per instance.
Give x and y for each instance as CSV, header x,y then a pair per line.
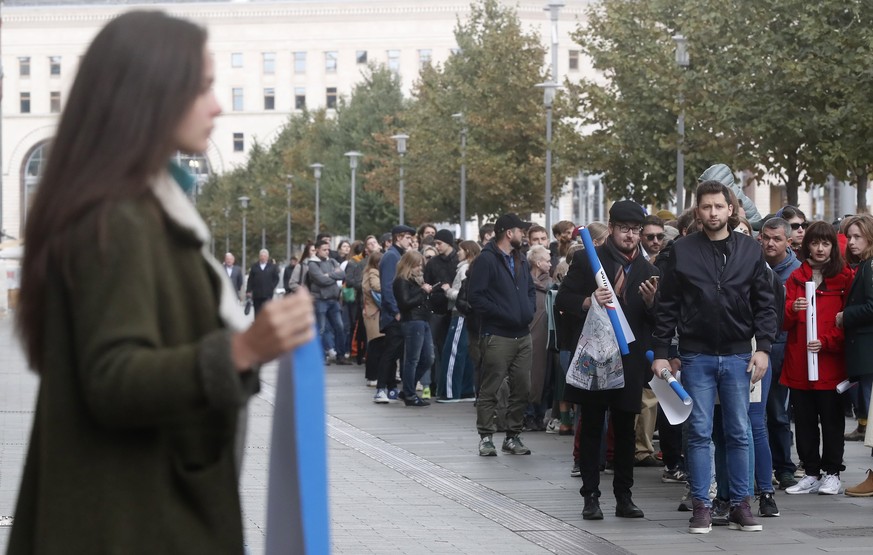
x,y
424,57
300,98
237,100
331,98
330,61
300,62
24,66
394,60
236,59
269,63
54,66
25,103
55,102
269,99
238,142
574,60
361,56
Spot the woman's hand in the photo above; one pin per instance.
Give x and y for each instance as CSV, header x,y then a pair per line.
x,y
282,325
800,304
427,288
839,322
813,346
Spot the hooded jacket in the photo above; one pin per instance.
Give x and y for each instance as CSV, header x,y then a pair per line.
x,y
504,303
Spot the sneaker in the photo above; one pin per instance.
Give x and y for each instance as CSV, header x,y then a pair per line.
x,y
830,484
419,387
701,521
425,393
799,472
393,394
741,518
514,446
331,354
576,472
864,489
648,461
381,397
713,491
786,480
371,383
609,467
674,476
343,361
720,513
767,506
486,447
857,434
415,401
552,426
447,400
807,484
685,505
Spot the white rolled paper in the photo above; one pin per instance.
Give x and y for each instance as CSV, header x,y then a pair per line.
x,y
811,332
845,386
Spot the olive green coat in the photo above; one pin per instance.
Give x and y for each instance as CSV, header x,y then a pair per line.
x,y
132,444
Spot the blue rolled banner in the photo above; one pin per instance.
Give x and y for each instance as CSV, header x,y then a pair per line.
x,y
298,520
674,383
613,309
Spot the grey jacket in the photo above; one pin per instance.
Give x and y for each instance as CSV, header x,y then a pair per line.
x,y
323,277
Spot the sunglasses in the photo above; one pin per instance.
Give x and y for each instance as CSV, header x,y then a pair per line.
x,y
797,225
653,236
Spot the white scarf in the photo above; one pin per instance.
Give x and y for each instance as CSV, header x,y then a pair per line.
x,y
178,208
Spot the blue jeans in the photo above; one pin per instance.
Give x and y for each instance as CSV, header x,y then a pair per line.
x,y
778,423
757,418
330,326
417,354
704,376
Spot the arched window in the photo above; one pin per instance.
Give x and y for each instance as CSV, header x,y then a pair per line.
x,y
31,175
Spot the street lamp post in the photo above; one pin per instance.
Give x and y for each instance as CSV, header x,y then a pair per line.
x,y
682,62
463,214
316,170
353,164
548,99
244,203
553,8
288,222
401,150
263,223
226,229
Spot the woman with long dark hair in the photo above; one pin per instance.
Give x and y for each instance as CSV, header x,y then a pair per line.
x,y
134,331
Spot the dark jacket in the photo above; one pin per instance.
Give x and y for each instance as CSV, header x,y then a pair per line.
x,y
505,304
784,270
578,285
718,305
411,300
858,323
323,277
830,298
441,269
387,271
262,283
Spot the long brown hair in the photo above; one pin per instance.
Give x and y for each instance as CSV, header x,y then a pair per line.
x,y
408,264
139,77
823,231
865,226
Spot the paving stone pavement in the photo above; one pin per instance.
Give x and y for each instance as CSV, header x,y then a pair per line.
x,y
409,480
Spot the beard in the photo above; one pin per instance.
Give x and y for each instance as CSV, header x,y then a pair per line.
x,y
709,226
516,244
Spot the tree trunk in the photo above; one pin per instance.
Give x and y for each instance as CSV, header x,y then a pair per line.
x,y
862,191
792,183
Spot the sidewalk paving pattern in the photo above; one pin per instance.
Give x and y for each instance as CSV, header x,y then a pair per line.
x,y
409,480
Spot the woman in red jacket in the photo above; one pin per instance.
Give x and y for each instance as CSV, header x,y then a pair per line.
x,y
818,400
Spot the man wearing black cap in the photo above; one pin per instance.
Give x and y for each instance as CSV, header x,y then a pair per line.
x,y
502,294
389,317
439,273
632,279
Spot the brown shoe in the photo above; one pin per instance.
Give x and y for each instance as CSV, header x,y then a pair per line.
x,y
864,489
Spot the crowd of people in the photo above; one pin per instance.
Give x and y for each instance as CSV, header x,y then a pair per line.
x,y
721,301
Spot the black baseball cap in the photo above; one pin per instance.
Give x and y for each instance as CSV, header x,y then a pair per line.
x,y
509,221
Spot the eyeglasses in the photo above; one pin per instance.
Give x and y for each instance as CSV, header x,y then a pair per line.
x,y
653,236
629,229
797,225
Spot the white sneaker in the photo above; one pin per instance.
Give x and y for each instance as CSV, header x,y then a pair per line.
x,y
371,383
381,397
553,425
830,485
807,484
331,354
419,387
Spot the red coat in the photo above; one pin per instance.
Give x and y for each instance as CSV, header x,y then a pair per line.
x,y
830,298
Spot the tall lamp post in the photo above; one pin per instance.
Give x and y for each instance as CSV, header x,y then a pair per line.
x,y
288,221
463,213
263,222
548,99
682,62
226,229
316,170
553,7
401,150
244,203
353,164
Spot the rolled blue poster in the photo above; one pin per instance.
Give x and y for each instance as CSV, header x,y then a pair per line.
x,y
297,504
674,383
603,281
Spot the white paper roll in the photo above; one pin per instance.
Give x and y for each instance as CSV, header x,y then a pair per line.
x,y
811,331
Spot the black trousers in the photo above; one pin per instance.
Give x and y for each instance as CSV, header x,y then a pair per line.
x,y
258,304
374,357
812,408
592,419
391,353
670,440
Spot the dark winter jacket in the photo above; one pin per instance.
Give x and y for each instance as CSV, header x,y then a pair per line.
x,y
387,271
784,270
411,300
441,269
858,323
504,303
718,304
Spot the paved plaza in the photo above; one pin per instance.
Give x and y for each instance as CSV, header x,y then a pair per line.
x,y
408,480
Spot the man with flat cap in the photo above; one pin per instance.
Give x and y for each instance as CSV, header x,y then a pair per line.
x,y
633,279
501,293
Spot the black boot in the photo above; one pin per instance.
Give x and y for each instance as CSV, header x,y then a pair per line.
x,y
625,508
592,511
